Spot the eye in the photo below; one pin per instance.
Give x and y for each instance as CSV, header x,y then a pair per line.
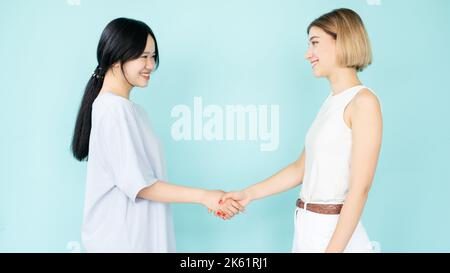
x,y
144,56
314,42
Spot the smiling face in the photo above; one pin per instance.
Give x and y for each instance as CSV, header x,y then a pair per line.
x,y
321,52
137,71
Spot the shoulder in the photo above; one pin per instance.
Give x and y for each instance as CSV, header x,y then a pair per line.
x,y
366,110
366,100
112,105
112,113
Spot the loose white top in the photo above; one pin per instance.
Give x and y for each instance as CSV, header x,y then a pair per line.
x,y
124,157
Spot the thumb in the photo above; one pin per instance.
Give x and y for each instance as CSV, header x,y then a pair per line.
x,y
235,195
226,196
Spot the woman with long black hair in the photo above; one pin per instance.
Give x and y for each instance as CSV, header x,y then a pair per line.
x,y
126,195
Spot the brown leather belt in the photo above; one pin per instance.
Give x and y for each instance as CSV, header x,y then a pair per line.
x,y
320,208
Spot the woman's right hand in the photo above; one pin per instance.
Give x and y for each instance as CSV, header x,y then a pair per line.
x,y
232,200
243,197
214,201
211,198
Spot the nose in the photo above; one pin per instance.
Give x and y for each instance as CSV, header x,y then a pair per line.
x,y
308,54
150,64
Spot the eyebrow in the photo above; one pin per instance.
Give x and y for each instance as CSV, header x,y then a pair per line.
x,y
148,52
313,37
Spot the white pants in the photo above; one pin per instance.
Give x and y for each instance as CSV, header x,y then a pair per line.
x,y
313,232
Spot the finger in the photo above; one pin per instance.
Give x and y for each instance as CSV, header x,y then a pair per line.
x,y
222,214
233,205
230,216
226,216
230,195
225,197
233,209
238,206
218,213
228,212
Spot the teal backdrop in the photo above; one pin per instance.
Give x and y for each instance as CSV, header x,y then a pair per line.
x,y
226,53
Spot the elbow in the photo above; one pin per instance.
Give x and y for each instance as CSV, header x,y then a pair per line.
x,y
299,169
143,193
148,192
362,192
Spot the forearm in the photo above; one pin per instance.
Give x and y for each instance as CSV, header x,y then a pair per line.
x,y
348,220
162,191
284,180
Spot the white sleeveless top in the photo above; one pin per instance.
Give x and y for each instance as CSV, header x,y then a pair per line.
x,y
328,145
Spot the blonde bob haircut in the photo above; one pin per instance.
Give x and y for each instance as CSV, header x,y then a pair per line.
x,y
352,42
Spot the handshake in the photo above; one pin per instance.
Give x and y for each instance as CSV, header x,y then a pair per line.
x,y
225,204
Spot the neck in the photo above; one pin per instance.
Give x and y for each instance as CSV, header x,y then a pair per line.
x,y
342,79
115,82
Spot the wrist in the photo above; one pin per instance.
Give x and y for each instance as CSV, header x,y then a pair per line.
x,y
249,193
201,197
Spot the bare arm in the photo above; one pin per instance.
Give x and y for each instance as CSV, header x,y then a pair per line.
x,y
366,136
162,191
288,178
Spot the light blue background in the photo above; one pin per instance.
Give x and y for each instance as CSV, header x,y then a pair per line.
x,y
227,52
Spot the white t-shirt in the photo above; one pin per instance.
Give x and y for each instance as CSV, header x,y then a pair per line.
x,y
124,157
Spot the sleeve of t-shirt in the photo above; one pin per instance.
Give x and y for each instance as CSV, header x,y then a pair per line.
x,y
123,150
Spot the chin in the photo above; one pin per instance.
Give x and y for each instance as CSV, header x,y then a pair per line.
x,y
142,84
319,74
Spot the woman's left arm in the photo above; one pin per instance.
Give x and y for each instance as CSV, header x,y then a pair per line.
x,y
367,126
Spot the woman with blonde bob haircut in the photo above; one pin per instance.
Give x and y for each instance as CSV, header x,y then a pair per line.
x,y
338,162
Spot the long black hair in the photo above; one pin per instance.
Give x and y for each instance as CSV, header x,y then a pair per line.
x,y
122,40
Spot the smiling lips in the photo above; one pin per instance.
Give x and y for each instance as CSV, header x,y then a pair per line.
x,y
314,62
146,75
